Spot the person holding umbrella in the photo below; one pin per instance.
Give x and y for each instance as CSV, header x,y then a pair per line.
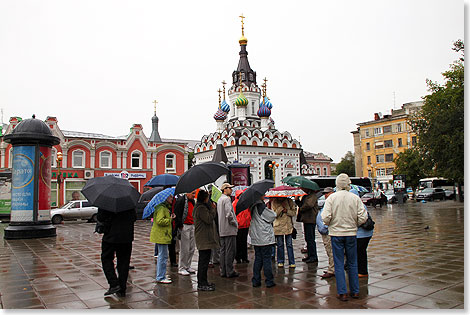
x,y
261,230
161,229
285,209
308,210
116,200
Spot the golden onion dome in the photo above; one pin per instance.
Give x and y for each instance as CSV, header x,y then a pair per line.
x,y
243,40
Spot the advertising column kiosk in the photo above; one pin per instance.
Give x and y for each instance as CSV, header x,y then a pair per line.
x,y
32,142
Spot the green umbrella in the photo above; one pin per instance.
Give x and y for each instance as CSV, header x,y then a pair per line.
x,y
300,181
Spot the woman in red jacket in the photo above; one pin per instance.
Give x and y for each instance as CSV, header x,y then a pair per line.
x,y
244,219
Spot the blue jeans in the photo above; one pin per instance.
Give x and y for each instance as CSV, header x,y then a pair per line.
x,y
309,230
341,245
263,261
161,261
280,249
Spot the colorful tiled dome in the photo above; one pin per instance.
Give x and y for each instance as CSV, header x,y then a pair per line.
x,y
268,103
225,106
264,111
220,115
241,100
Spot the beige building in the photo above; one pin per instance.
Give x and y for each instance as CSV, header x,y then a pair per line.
x,y
378,142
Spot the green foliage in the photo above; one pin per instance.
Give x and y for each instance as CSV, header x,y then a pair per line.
x,y
439,124
346,165
411,164
190,159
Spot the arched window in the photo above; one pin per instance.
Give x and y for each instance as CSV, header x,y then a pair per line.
x,y
170,163
78,159
53,157
10,158
105,159
136,159
318,171
325,171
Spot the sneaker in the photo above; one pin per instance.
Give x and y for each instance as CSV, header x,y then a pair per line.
x,y
292,266
165,281
191,270
327,275
303,250
280,265
184,272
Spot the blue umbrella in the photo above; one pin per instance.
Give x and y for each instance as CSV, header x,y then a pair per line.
x,y
156,200
163,180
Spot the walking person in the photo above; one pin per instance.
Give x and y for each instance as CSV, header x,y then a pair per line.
x,y
117,241
308,210
262,238
363,238
206,236
243,219
343,213
228,228
184,222
161,235
285,210
323,229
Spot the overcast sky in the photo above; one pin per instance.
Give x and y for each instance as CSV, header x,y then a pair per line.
x,y
98,65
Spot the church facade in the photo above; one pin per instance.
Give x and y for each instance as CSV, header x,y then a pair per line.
x,y
246,130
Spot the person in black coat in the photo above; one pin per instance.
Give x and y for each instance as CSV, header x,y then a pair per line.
x,y
117,240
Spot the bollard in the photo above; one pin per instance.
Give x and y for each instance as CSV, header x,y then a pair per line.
x,y
32,141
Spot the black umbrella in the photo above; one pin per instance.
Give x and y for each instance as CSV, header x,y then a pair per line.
x,y
111,193
148,195
253,193
200,175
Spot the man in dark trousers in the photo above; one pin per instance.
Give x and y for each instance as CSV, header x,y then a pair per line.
x,y
308,210
117,240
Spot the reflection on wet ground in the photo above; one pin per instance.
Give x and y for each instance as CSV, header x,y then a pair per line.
x,y
410,267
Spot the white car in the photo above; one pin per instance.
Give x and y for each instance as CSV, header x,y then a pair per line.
x,y
76,209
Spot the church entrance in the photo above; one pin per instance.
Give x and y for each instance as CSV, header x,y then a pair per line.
x,y
268,172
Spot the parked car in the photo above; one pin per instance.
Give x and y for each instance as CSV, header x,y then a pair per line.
x,y
370,199
392,198
76,209
449,194
431,194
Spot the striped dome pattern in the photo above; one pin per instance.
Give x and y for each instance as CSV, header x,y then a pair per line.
x,y
264,111
241,100
225,106
268,103
220,115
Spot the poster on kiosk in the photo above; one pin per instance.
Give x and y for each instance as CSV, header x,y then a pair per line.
x,y
22,190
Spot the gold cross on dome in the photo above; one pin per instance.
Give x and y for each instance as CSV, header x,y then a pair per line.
x,y
243,28
219,96
155,106
223,83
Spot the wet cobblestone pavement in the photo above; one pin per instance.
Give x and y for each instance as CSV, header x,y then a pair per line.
x,y
410,267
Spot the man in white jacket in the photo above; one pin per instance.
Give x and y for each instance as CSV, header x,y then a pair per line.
x,y
343,213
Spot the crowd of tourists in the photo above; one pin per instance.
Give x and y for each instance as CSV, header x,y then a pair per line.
x,y
221,233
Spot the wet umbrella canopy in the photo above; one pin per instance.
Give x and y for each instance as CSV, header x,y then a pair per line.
x,y
156,200
111,193
148,195
200,175
285,191
253,194
163,180
300,181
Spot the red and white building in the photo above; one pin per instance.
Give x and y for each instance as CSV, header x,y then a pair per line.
x,y
88,155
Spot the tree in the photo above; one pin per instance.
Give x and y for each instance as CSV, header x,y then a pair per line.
x,y
346,165
439,125
411,164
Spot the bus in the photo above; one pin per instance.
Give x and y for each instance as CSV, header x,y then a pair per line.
x,y
330,181
433,182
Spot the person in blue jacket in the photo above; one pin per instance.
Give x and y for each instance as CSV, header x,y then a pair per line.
x,y
363,237
323,229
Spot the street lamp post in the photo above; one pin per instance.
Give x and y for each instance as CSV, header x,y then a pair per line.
x,y
273,165
59,164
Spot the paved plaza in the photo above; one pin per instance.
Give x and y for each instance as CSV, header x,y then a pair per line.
x,y
416,260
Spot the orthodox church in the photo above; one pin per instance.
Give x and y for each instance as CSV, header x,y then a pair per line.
x,y
246,133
